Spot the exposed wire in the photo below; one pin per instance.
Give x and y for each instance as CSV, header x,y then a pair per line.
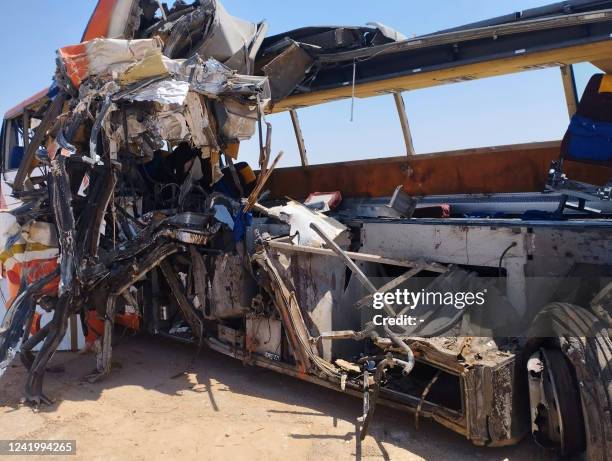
x,y
501,258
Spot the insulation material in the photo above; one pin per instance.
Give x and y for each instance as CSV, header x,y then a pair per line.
x,y
165,92
388,32
152,65
147,129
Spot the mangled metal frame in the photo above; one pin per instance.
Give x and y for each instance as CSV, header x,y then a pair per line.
x,y
118,239
205,104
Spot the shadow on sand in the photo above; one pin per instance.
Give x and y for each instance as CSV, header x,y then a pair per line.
x,y
157,364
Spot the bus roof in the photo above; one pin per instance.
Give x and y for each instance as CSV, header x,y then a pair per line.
x,y
559,34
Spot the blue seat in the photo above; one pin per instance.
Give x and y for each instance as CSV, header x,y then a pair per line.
x,y
15,157
589,135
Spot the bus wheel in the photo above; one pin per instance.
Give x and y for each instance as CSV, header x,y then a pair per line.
x,y
570,381
556,413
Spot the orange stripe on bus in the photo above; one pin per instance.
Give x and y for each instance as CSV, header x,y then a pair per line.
x,y
100,20
76,62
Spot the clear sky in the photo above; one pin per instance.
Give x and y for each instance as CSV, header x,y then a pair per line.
x,y
503,110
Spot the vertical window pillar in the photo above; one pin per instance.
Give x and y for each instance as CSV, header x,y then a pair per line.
x,y
401,111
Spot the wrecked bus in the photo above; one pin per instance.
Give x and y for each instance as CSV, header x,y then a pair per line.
x,y
470,287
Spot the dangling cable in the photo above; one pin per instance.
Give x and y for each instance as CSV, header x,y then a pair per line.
x,y
353,88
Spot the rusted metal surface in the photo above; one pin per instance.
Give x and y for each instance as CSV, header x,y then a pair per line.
x,y
295,121
519,168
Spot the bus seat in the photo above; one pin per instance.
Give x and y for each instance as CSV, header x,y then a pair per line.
x,y
589,135
15,157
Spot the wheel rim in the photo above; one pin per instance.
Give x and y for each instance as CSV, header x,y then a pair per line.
x,y
557,420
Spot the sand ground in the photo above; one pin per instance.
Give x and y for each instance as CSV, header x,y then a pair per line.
x,y
220,409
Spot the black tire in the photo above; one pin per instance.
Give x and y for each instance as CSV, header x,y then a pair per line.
x,y
584,340
560,370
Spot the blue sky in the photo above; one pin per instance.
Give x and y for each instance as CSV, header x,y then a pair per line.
x,y
502,110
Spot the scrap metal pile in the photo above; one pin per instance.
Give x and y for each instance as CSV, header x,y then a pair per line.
x,y
137,213
133,204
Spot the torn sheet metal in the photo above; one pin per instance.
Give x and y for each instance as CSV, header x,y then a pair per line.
x,y
166,92
196,115
146,131
388,32
214,79
299,217
287,70
237,121
210,31
103,57
229,39
179,113
29,250
231,288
